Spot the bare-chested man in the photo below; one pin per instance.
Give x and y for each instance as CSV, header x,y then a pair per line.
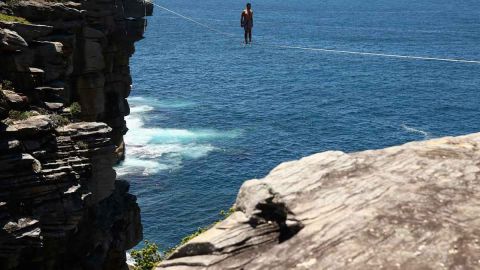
x,y
246,21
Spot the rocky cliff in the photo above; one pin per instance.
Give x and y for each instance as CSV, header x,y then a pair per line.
x,y
61,206
414,206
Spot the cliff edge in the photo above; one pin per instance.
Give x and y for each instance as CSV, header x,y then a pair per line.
x,y
413,206
64,79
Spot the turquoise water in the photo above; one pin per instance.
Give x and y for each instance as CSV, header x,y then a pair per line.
x,y
209,113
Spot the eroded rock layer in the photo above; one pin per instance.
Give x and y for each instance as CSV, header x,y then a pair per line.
x,y
414,206
61,206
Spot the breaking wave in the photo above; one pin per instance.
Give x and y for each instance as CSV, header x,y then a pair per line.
x,y
152,149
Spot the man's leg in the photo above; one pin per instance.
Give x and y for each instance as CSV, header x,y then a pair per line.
x,y
246,36
250,35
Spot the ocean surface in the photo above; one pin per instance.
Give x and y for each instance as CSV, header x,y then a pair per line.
x,y
209,113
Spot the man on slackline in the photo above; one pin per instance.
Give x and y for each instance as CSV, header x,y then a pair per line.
x,y
246,21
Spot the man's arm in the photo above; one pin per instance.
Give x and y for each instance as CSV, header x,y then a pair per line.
x,y
252,18
241,18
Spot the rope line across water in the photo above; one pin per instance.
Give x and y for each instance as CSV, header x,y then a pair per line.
x,y
425,58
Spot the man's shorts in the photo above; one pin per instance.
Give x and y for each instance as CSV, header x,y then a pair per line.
x,y
248,25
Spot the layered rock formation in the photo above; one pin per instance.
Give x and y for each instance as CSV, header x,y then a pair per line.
x,y
61,206
414,206
75,51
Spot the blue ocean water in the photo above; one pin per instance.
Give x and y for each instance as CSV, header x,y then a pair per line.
x,y
209,113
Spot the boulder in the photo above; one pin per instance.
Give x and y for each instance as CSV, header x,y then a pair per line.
x,y
38,11
28,32
14,100
54,106
413,206
11,41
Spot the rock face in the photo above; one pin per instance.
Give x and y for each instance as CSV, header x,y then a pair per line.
x,y
61,206
81,49
414,206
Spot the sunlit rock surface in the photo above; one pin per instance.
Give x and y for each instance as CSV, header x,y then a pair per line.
x,y
414,206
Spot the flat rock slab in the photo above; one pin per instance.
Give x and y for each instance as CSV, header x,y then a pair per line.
x,y
414,206
34,125
54,106
35,11
29,32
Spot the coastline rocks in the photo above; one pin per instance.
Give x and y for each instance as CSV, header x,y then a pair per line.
x,y
413,206
85,45
61,206
62,189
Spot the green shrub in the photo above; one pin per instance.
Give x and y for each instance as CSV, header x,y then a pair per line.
x,y
6,85
147,257
193,235
82,145
225,214
41,111
9,18
59,120
75,109
18,115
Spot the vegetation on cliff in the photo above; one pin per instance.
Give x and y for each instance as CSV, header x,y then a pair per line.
x,y
149,256
10,18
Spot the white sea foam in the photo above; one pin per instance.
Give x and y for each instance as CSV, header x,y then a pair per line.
x,y
140,166
141,108
425,134
170,150
151,150
139,135
130,260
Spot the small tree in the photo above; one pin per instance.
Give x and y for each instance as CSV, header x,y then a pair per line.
x,y
147,257
75,109
59,120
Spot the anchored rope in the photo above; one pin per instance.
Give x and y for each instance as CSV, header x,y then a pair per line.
x,y
194,21
323,49
381,54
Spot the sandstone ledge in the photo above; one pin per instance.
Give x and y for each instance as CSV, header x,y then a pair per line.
x,y
414,206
